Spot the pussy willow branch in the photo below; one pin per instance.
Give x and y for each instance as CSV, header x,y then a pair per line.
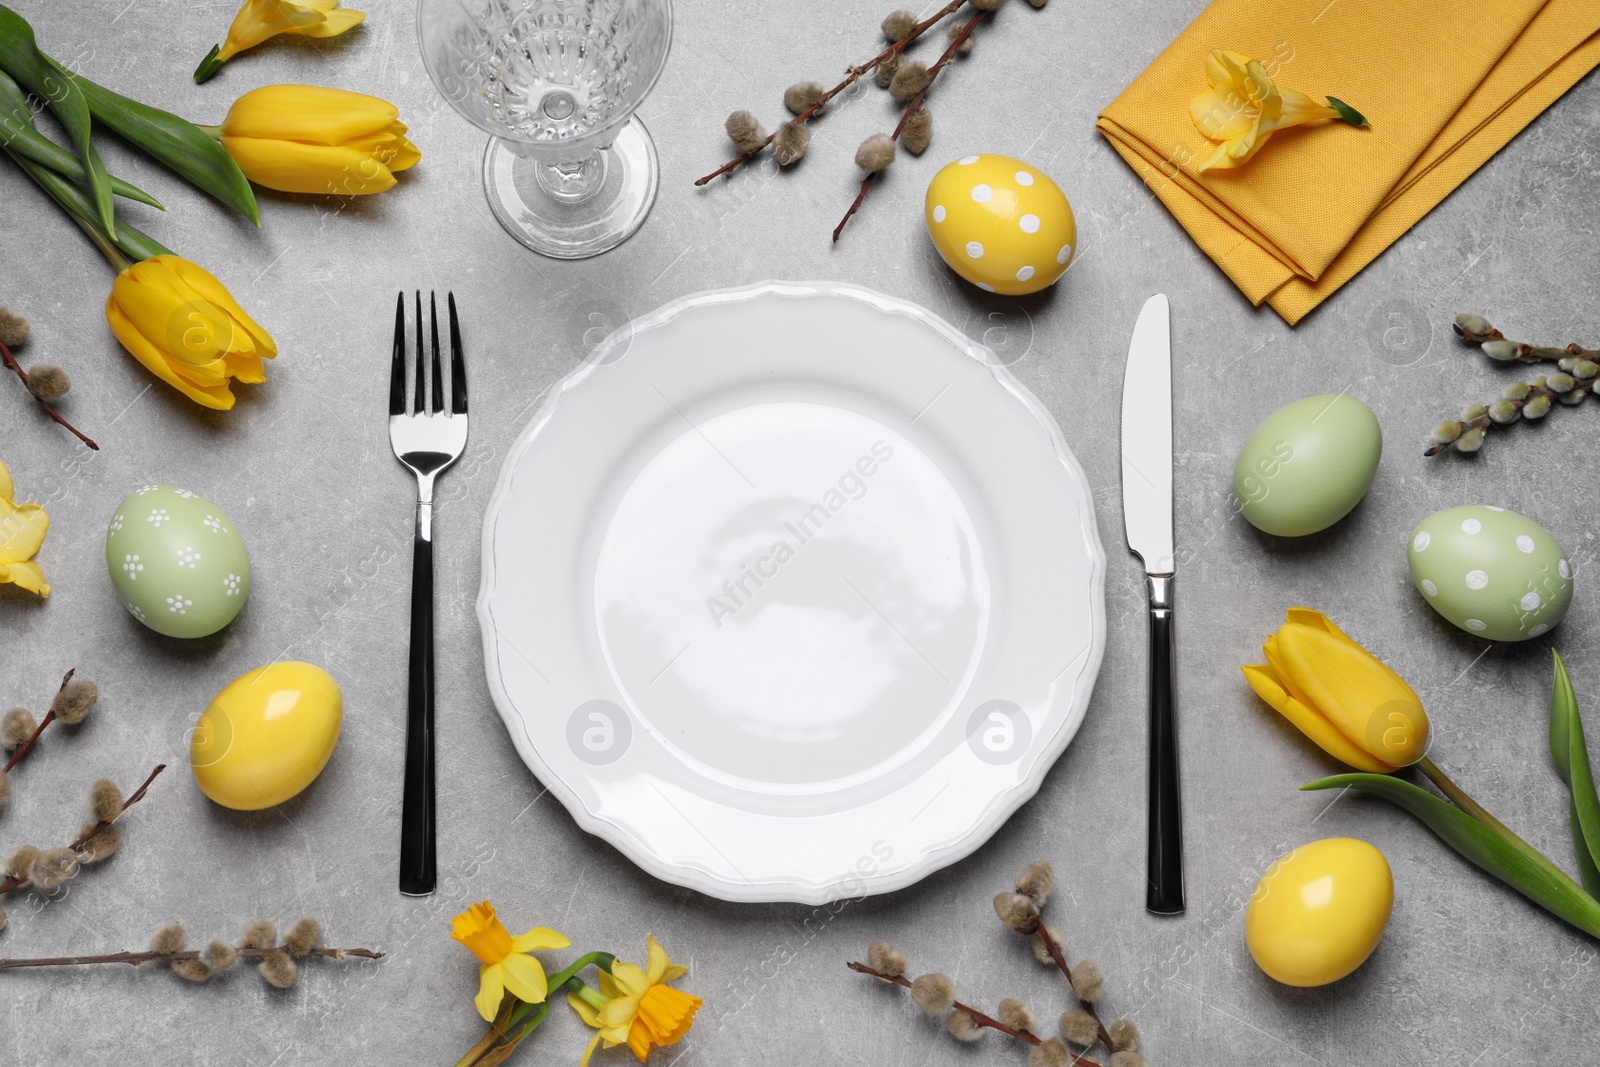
x,y
7,885
977,1016
1527,353
1484,422
10,362
136,958
50,717
911,109
852,75
1057,954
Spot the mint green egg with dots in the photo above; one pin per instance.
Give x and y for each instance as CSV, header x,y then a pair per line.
x,y
177,561
1492,572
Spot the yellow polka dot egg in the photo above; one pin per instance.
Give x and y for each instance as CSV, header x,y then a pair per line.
x,y
1001,224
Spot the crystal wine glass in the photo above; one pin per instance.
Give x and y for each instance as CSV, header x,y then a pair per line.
x,y
570,170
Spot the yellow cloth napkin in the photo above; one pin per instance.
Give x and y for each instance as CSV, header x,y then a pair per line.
x,y
1445,85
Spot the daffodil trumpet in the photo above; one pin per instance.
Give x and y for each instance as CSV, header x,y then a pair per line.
x,y
1244,107
636,1006
261,20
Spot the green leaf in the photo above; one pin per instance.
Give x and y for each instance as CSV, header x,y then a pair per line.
x,y
17,132
131,242
1571,755
185,148
1348,113
39,74
1534,876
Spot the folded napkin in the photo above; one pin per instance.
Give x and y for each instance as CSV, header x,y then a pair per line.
x,y
1444,83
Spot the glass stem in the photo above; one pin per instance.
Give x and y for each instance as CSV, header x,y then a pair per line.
x,y
573,181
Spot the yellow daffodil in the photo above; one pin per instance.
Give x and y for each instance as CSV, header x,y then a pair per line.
x,y
22,530
1340,695
503,960
178,320
637,1007
260,20
307,139
1244,107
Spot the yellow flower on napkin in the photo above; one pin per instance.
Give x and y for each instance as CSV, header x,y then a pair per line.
x,y
1244,107
177,319
308,139
640,1009
261,20
22,530
503,960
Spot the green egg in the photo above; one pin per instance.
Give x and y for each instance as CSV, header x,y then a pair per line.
x,y
1307,465
177,561
1494,573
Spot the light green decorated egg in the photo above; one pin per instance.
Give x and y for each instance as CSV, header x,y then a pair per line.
x,y
1307,465
177,561
1494,573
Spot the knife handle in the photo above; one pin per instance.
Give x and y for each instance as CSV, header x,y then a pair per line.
x,y
1164,894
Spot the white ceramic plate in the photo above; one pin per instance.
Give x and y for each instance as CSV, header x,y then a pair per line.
x,y
791,592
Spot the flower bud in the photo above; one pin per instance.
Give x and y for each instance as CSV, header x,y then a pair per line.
x,y
1474,324
934,993
745,132
790,143
1566,363
1517,391
1446,432
875,153
1503,412
962,1026
1536,408
1088,981
1585,369
1470,441
1500,349
897,24
1560,383
1573,398
1015,909
1015,1014
1079,1027
1476,411
886,959
802,96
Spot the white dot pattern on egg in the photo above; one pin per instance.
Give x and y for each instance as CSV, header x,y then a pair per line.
x,y
990,216
1492,572
177,562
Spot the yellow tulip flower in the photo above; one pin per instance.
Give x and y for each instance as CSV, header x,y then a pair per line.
x,y
260,20
307,139
22,530
1244,107
503,960
178,320
1340,695
637,1007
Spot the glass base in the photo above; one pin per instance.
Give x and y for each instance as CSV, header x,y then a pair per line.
x,y
576,210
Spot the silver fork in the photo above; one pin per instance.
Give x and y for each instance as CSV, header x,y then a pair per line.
x,y
427,440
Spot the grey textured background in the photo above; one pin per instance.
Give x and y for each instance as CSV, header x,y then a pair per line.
x,y
1468,974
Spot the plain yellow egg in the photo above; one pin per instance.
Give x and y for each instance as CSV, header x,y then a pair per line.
x,y
1000,224
267,735
1319,911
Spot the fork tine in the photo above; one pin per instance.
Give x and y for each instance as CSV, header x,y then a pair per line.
x,y
422,367
433,326
458,363
397,366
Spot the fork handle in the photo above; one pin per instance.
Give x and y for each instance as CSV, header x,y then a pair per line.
x,y
418,873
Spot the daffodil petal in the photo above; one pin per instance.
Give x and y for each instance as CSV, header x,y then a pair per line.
x,y
629,978
608,985
25,575
335,23
589,1052
619,1012
537,939
8,490
22,530
657,962
524,976
586,1011
491,990
677,970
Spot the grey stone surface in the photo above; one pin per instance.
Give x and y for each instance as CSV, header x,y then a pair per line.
x,y
1469,974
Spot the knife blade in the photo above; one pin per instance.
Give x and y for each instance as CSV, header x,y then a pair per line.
x,y
1147,518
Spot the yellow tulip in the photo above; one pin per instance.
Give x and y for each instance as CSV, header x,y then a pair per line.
x,y
260,20
307,139
1244,107
22,530
1340,695
636,1007
503,960
178,320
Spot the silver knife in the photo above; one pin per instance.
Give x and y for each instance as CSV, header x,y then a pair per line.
x,y
1147,515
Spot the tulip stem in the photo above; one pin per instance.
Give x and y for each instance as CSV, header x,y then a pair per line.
x,y
1460,799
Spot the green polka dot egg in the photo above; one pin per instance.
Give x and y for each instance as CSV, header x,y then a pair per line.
x,y
1001,224
1494,573
177,561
